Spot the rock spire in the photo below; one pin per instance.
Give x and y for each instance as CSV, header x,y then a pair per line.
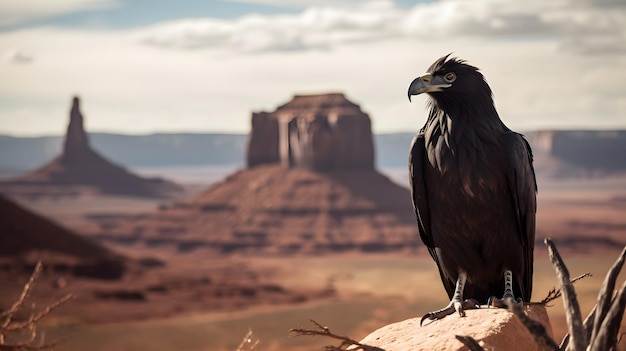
x,y
81,169
76,141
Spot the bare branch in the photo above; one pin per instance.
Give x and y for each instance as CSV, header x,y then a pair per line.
x,y
470,342
607,335
536,329
325,331
9,314
26,331
552,295
36,317
247,343
572,308
606,294
555,293
588,324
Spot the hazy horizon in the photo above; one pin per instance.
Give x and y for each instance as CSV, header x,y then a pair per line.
x,y
183,132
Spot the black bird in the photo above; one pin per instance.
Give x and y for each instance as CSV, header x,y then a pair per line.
x,y
474,191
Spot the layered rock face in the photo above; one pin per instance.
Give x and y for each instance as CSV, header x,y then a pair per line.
x,y
27,237
318,132
79,165
270,209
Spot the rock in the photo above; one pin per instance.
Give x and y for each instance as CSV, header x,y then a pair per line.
x,y
263,142
319,132
76,144
270,209
27,238
24,231
282,203
80,168
494,329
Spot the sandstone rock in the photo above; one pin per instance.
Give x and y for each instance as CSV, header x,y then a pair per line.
x,y
76,144
270,209
263,142
319,132
24,231
81,166
494,329
292,208
27,238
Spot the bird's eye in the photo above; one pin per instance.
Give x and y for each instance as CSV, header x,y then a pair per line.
x,y
450,77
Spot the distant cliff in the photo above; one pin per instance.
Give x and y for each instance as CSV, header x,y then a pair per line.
x,y
177,149
579,153
557,153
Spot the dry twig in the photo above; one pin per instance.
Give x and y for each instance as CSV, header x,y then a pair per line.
x,y
555,293
26,330
536,329
570,303
600,329
605,295
248,343
606,338
470,342
588,324
325,331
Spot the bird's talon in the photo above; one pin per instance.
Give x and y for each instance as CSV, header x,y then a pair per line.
x,y
495,302
440,313
458,307
426,316
471,304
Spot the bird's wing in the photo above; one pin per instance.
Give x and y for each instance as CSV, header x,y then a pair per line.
x,y
523,185
420,203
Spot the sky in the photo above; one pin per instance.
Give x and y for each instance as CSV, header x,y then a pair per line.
x,y
146,66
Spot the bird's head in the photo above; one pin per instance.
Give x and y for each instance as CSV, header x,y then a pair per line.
x,y
451,79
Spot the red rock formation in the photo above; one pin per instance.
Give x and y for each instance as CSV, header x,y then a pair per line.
x,y
270,209
80,165
30,237
319,132
76,144
282,203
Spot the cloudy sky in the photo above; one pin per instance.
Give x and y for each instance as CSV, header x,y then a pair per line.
x,y
145,66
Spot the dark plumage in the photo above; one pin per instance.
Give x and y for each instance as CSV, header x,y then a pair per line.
x,y
473,186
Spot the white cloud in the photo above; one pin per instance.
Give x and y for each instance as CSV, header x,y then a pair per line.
x,y
326,27
298,3
18,11
313,28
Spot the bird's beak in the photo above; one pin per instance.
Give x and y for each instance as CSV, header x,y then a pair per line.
x,y
426,84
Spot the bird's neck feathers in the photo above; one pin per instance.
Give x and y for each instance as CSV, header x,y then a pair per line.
x,y
460,132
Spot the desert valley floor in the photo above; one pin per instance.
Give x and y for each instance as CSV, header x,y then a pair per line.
x,y
193,300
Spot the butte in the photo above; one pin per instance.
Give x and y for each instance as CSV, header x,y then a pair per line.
x,y
80,169
310,187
